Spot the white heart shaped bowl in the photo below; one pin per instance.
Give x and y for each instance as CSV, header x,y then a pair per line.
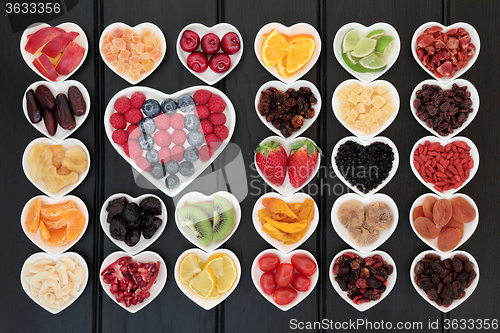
x,y
146,256
44,256
66,144
37,240
391,279
67,26
474,153
299,28
206,304
284,258
195,197
284,87
450,255
286,188
343,232
337,104
382,139
474,37
363,31
61,133
209,76
141,26
469,228
143,242
160,96
279,245
474,96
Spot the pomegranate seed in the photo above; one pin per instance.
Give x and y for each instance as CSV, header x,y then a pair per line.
x,y
114,288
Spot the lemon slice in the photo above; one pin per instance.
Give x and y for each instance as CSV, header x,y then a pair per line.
x,y
273,48
372,62
189,267
215,294
229,274
301,51
376,34
203,284
351,38
364,47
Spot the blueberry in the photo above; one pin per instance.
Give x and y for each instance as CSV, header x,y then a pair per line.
x,y
168,106
158,170
191,122
146,142
151,108
195,138
191,154
172,167
186,168
172,181
186,103
147,125
152,156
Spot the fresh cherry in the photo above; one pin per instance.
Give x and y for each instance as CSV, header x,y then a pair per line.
x,y
210,44
197,61
220,62
230,43
190,41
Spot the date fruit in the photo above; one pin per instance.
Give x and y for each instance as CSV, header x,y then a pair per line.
x,y
33,106
45,97
63,114
50,121
76,101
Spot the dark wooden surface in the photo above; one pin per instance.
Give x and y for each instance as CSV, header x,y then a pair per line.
x,y
246,310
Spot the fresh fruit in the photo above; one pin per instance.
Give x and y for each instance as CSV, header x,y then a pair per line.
x,y
216,104
364,47
197,221
198,62
385,45
269,262
274,48
373,61
303,264
366,54
284,274
190,41
351,38
201,96
168,106
151,108
186,103
284,296
32,220
224,271
203,283
42,37
220,63
301,51
75,223
224,219
58,44
301,282
210,43
70,59
189,267
376,34
272,160
302,162
230,43
267,283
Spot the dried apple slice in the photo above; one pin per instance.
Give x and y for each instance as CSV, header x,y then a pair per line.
x,y
41,37
59,43
41,69
44,60
70,59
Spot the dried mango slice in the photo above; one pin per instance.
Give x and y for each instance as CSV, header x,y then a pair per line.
x,y
277,206
276,234
287,227
295,207
307,210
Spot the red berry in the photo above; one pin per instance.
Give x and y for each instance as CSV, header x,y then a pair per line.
x,y
189,41
220,62
133,116
206,127
122,105
217,118
272,160
230,43
164,154
132,149
205,153
117,120
177,153
202,96
133,132
213,141
197,61
221,131
302,162
216,104
210,44
120,137
202,111
143,163
137,99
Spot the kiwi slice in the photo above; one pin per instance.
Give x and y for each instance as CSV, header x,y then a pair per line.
x,y
207,207
196,220
224,218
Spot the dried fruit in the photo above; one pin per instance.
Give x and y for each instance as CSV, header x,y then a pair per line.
x,y
418,212
448,239
364,235
379,216
428,206
441,212
426,228
351,214
462,210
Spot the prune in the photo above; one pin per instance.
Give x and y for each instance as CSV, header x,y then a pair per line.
x,y
118,229
146,221
462,210
116,206
428,206
448,239
418,212
133,237
441,212
150,205
132,215
426,228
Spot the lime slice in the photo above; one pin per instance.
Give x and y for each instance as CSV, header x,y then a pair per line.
x,y
372,62
385,45
376,34
353,60
364,47
351,38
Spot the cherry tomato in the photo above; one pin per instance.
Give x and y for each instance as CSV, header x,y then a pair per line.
x,y
285,295
301,282
284,274
267,283
304,264
269,262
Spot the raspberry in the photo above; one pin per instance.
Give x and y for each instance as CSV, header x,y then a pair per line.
x,y
206,127
117,120
202,111
137,99
213,141
177,121
143,163
162,121
164,154
133,116
162,138
216,104
221,131
122,105
178,137
217,118
133,132
132,149
202,96
177,153
204,153
119,137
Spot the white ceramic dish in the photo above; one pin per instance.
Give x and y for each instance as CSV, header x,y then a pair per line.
x,y
66,144
474,153
195,197
337,104
284,87
279,245
450,255
474,39
363,31
469,228
299,28
146,256
382,139
43,256
80,40
61,133
209,76
391,279
284,258
159,96
343,232
138,27
286,189
143,242
206,304
474,96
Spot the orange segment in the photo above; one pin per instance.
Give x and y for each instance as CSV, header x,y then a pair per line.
x,y
274,48
281,66
58,238
44,232
33,217
54,212
289,38
301,51
75,223
54,224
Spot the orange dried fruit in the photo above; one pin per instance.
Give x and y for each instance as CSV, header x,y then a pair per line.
x,y
55,212
44,232
455,224
448,239
58,237
441,212
75,223
418,212
274,48
33,216
428,205
426,228
462,210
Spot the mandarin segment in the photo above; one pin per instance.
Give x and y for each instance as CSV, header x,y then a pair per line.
x,y
58,237
44,232
55,212
33,216
75,223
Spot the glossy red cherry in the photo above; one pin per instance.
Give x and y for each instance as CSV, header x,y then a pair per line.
x,y
189,41
197,61
220,62
230,43
210,44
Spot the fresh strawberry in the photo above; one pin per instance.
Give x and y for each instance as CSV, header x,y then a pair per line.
x,y
302,161
272,160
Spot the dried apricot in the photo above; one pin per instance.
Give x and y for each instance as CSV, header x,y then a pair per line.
x,y
441,212
426,228
33,216
462,210
418,212
76,223
448,239
54,212
58,238
428,205
44,233
455,224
